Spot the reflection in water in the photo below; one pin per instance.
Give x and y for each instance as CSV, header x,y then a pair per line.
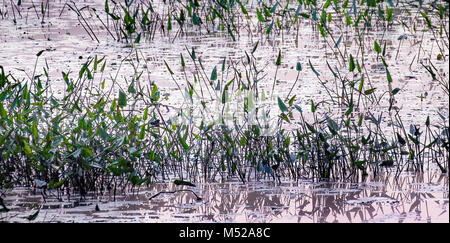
x,y
409,198
68,47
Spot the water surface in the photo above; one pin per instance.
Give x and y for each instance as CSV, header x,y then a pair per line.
x,y
411,198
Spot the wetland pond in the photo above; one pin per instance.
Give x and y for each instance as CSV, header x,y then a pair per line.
x,y
278,111
411,198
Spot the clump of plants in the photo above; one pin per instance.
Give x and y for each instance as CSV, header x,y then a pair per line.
x,y
103,133
92,138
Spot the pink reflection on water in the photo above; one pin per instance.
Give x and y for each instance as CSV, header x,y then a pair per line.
x,y
409,198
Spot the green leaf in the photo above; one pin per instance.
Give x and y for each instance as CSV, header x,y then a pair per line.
x,y
3,112
395,91
103,67
361,83
352,63
322,31
96,62
223,64
106,6
138,38
145,114
155,93
282,105
168,68
142,133
260,17
313,69
250,105
350,109
214,74
243,9
369,91
285,117
182,60
415,141
242,141
299,66
269,29
27,149
183,143
58,184
255,47
332,125
224,96
400,139
122,99
291,101
338,42
34,131
360,120
278,62
331,69
428,21
313,107
388,74
169,23
311,128
113,105
377,47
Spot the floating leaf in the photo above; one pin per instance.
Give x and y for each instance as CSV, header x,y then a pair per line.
x,y
40,53
33,216
183,183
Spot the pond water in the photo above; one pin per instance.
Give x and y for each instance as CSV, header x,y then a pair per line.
x,y
409,198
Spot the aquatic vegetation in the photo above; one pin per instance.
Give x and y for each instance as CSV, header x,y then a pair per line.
x,y
92,139
106,132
